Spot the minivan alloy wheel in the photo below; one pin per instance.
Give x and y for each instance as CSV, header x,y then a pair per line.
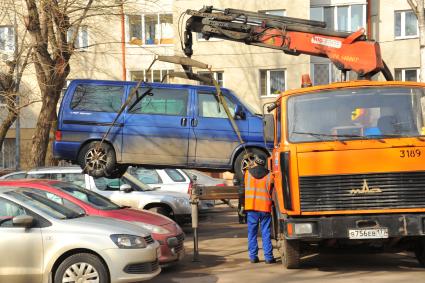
x,y
81,272
96,159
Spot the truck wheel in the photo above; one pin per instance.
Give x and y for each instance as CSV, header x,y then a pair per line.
x,y
162,211
97,159
290,253
420,253
118,171
243,160
82,267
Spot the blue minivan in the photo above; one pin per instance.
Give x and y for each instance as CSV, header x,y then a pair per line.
x,y
181,126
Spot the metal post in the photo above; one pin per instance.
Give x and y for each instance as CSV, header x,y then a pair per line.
x,y
194,201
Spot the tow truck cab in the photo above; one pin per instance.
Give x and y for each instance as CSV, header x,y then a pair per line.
x,y
349,167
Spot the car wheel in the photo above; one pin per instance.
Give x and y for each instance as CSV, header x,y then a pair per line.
x,y
82,267
161,210
244,159
97,159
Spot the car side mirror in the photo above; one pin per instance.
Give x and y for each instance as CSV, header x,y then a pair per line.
x,y
239,112
25,221
126,188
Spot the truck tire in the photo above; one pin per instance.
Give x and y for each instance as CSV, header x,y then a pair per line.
x,y
242,160
420,252
119,170
97,159
91,266
289,252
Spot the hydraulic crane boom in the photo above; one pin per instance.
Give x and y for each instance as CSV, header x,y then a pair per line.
x,y
349,52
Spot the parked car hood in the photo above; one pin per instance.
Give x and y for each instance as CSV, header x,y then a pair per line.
x,y
144,216
104,225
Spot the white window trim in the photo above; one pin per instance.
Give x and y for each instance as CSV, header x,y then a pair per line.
x,y
142,17
403,26
269,95
215,74
162,72
403,73
80,38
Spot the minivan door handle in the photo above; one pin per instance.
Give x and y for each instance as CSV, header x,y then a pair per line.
x,y
183,122
194,122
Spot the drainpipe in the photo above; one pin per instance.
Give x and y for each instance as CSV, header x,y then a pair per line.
x,y
369,18
124,71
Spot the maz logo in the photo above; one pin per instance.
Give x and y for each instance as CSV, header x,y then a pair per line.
x,y
365,190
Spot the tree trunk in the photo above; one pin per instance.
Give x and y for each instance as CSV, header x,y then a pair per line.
x,y
5,126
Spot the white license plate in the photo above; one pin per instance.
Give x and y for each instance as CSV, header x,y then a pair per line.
x,y
378,233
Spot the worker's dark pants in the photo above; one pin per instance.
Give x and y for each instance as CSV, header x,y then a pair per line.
x,y
264,219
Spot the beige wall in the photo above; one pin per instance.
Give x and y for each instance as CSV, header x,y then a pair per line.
x,y
397,53
242,63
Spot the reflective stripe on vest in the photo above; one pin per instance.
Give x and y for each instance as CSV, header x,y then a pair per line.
x,y
257,193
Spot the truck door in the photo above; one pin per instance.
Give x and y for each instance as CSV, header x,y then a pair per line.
x,y
156,130
212,131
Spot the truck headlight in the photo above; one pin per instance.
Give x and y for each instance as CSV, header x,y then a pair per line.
x,y
153,228
303,228
124,241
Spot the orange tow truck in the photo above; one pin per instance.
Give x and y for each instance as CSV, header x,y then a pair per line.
x,y
349,158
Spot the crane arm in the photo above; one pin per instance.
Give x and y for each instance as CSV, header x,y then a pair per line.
x,y
348,51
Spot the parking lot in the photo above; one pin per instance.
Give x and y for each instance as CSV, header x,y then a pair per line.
x,y
224,258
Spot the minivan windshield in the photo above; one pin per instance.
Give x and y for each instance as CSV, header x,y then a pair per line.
x,y
43,204
356,113
91,198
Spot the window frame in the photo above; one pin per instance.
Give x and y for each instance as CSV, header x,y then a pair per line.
x,y
12,162
143,39
403,26
96,85
268,94
215,76
79,38
403,73
7,43
335,14
162,72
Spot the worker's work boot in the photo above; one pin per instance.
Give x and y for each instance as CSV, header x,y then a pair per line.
x,y
271,261
254,260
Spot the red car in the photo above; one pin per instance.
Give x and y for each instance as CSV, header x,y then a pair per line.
x,y
164,230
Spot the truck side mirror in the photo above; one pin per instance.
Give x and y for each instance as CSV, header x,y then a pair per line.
x,y
239,112
268,127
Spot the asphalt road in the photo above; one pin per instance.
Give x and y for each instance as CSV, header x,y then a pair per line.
x,y
224,258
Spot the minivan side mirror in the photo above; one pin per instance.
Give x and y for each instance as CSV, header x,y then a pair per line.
x,y
239,112
26,221
126,188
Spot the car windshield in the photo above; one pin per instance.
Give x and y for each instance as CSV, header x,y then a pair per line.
x,y
357,113
43,204
87,196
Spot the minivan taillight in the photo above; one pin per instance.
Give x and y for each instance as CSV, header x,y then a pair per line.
x,y
58,135
189,189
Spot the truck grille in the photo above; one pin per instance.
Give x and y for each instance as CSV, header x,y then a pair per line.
x,y
362,191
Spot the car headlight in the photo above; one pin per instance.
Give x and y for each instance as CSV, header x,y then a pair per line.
x,y
153,228
124,241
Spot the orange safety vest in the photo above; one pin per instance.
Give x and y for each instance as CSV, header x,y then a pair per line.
x,y
257,193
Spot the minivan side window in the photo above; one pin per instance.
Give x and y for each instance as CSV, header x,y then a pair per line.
x,y
97,98
162,101
210,108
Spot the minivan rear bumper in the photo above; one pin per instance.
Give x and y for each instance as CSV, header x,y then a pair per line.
x,y
66,150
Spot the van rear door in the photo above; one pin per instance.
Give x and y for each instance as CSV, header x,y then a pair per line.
x,y
156,130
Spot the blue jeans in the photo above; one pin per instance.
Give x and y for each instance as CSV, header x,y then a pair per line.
x,y
256,218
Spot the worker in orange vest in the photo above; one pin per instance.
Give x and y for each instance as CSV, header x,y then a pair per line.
x,y
258,205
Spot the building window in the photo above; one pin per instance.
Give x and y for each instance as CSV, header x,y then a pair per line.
x,y
406,25
7,154
7,39
272,82
150,29
411,74
82,40
217,75
342,18
326,73
151,76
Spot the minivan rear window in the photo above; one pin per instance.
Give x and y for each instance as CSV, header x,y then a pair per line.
x,y
97,98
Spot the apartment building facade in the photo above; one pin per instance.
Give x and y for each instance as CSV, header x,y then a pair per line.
x,y
121,47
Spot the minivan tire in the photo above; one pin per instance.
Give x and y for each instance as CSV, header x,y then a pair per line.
x,y
92,263
242,159
102,156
